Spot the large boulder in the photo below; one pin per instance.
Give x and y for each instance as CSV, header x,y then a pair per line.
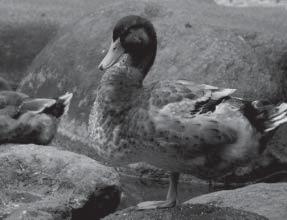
x,y
269,200
27,26
185,212
243,51
19,45
252,3
39,182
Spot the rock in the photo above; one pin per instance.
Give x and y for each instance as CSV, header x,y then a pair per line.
x,y
276,147
5,85
269,200
40,182
185,212
252,3
191,45
26,28
19,45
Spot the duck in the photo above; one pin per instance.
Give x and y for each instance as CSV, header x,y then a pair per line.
x,y
25,120
177,125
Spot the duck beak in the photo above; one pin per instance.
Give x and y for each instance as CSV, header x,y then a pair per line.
x,y
115,52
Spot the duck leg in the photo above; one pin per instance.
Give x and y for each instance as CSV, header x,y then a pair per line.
x,y
170,198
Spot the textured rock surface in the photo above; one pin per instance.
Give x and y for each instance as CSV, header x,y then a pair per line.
x,y
252,3
185,212
40,182
269,200
27,26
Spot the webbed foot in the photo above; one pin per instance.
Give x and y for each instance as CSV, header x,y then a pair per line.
x,y
156,204
170,198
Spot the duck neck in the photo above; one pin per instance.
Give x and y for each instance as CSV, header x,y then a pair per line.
x,y
118,86
143,61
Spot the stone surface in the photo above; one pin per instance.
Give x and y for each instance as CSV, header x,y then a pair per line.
x,y
40,182
277,145
269,200
197,40
185,212
27,26
252,3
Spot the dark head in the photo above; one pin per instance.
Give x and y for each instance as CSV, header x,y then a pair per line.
x,y
135,37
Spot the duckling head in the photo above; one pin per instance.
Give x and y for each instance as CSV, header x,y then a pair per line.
x,y
134,43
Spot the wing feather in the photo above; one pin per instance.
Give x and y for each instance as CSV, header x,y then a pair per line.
x,y
181,113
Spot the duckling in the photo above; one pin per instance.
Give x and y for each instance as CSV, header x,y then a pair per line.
x,y
10,102
179,126
35,121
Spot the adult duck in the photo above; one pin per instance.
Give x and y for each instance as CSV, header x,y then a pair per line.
x,y
179,126
30,120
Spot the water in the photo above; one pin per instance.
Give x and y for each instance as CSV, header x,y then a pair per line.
x,y
136,190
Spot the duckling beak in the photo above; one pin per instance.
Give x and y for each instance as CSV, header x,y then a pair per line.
x,y
115,52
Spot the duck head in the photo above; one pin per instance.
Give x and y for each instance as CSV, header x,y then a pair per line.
x,y
134,43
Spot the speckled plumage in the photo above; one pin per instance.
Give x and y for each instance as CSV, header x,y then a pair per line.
x,y
158,124
178,125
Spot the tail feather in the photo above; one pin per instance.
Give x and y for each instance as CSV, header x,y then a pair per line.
x,y
273,115
61,106
66,99
56,107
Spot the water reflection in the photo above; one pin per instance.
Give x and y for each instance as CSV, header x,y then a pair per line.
x,y
138,190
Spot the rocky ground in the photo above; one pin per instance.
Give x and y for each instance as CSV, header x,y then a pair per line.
x,y
39,182
55,46
268,200
186,212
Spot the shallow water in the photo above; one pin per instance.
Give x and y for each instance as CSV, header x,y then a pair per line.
x,y
136,190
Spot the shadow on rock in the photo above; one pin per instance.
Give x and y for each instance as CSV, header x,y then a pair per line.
x,y
19,44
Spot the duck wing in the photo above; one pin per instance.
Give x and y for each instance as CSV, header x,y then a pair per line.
x,y
184,112
185,98
11,98
56,107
